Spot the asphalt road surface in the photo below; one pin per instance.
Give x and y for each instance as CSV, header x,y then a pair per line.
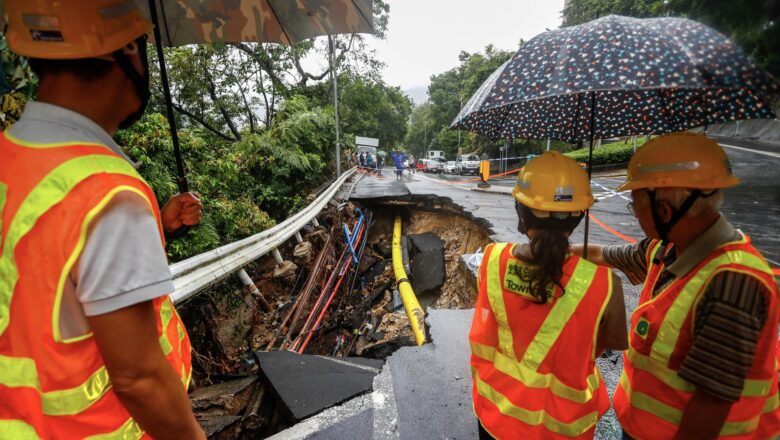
x,y
753,206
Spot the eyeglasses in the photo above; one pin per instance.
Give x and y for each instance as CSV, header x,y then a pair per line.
x,y
630,207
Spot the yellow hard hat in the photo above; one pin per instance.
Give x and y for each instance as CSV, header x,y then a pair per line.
x,y
72,29
681,160
553,182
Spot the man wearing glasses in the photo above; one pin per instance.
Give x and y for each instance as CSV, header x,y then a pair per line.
x,y
702,342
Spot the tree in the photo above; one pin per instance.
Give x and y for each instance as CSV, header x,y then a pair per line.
x,y
448,91
17,85
419,136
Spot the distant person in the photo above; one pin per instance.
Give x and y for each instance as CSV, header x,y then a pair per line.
x,y
380,161
369,161
362,159
412,164
543,316
399,158
701,357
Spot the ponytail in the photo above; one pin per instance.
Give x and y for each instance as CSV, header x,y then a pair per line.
x,y
549,248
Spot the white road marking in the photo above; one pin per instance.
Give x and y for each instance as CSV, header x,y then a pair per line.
x,y
765,153
611,191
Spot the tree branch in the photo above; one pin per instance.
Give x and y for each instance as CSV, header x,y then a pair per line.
x,y
305,76
200,121
213,94
263,63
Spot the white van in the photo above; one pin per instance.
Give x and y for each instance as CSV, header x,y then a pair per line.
x,y
468,164
435,154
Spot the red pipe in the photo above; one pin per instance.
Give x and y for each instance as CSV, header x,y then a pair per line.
x,y
332,294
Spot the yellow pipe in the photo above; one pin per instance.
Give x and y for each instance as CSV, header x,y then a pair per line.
x,y
413,310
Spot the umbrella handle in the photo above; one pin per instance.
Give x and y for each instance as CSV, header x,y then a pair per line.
x,y
181,182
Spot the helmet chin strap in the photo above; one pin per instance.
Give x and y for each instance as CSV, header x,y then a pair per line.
x,y
140,81
664,228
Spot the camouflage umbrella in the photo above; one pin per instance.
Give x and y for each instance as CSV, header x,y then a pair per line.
x,y
183,22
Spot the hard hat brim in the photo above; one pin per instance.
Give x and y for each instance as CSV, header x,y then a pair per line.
x,y
645,184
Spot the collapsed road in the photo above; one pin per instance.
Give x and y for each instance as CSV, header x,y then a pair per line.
x,y
394,389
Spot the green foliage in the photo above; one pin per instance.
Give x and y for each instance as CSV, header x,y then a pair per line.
x,y
448,92
17,85
215,171
366,108
290,157
753,24
617,152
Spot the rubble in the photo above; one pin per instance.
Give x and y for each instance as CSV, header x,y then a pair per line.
x,y
361,315
286,271
302,254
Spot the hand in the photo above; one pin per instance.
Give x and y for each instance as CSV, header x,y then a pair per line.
x,y
181,209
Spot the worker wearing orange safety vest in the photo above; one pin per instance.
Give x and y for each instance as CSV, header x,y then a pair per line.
x,y
543,315
702,350
90,343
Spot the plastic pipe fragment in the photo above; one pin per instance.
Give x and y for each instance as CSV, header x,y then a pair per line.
x,y
412,307
278,256
247,281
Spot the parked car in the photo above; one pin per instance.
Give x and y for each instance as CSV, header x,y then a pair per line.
x,y
468,164
422,164
437,166
451,167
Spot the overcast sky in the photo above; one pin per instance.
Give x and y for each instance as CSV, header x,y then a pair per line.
x,y
425,36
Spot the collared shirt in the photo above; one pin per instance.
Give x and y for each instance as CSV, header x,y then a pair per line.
x,y
729,316
123,262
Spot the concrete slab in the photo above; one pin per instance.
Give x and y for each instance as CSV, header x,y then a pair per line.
x,y
306,385
378,187
432,383
342,421
427,263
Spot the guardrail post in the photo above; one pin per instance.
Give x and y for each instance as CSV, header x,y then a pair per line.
x,y
247,281
298,237
315,222
278,256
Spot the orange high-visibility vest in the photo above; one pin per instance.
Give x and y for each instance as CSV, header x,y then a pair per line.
x,y
651,397
534,365
52,387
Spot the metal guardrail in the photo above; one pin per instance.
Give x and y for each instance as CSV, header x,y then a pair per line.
x,y
195,274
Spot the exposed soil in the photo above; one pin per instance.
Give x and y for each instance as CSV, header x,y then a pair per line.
x,y
228,324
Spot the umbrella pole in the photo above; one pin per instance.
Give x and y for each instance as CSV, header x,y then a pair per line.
x,y
590,170
331,51
181,180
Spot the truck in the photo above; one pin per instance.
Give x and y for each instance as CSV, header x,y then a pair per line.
x,y
467,164
435,154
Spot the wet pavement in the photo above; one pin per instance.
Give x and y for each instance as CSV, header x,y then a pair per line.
x,y
425,392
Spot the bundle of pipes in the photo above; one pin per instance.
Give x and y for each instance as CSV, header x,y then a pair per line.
x,y
296,310
345,269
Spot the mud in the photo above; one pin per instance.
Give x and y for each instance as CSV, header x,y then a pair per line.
x,y
227,325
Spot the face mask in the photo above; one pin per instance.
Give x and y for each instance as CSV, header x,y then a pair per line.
x,y
140,81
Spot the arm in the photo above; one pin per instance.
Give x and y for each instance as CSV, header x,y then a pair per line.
x,y
595,253
628,258
141,376
703,417
612,329
730,317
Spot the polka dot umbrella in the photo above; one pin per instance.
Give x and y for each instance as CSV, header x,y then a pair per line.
x,y
619,76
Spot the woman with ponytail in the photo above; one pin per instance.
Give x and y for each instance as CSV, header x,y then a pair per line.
x,y
543,315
